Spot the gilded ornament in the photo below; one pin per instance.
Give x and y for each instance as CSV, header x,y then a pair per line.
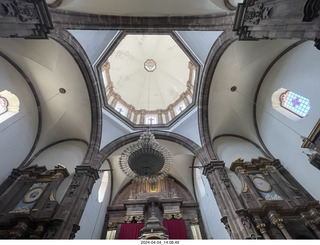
x,y
128,219
112,224
167,216
139,218
245,188
194,221
177,216
51,198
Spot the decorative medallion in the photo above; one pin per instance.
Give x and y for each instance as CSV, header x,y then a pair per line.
x,y
150,65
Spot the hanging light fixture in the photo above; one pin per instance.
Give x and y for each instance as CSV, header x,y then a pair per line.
x,y
146,160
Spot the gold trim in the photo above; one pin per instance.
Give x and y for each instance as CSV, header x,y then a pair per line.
x,y
51,197
245,188
28,193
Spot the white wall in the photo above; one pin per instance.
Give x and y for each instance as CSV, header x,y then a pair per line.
x,y
18,133
229,149
299,72
92,221
210,212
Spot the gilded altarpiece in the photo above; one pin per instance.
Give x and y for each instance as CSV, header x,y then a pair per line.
x,y
27,207
278,205
130,206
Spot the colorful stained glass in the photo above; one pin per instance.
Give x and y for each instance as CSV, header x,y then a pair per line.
x,y
179,108
151,119
295,103
121,109
3,105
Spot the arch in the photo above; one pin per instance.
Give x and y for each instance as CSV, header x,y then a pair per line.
x,y
65,39
50,145
243,138
173,137
117,198
9,105
217,50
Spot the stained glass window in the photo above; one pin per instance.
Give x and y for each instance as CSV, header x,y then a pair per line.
x,y
290,104
179,108
121,109
295,103
3,105
151,119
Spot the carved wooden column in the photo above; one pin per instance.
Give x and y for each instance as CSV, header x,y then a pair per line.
x,y
275,219
261,226
312,220
65,221
235,217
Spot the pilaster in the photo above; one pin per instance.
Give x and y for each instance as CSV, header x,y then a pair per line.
x,y
65,221
235,218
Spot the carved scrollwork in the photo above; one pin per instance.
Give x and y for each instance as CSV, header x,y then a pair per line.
x,y
72,190
112,224
52,229
256,13
139,218
224,220
224,177
193,221
177,216
278,222
311,10
167,216
23,10
128,219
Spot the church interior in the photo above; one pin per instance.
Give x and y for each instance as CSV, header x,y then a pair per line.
x,y
172,119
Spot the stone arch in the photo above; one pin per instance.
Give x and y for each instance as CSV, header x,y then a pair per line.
x,y
217,50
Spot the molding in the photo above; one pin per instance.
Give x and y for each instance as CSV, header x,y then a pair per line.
x,y
243,138
74,20
55,4
47,147
229,5
216,52
169,136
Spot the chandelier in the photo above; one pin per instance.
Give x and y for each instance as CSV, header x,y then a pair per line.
x,y
146,160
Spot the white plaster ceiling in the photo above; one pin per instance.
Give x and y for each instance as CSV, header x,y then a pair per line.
x,y
242,65
49,67
144,89
145,7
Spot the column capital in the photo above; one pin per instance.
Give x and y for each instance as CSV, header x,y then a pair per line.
x,y
88,170
212,165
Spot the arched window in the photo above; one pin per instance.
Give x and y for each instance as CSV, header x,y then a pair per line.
x,y
9,105
103,186
3,105
290,104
